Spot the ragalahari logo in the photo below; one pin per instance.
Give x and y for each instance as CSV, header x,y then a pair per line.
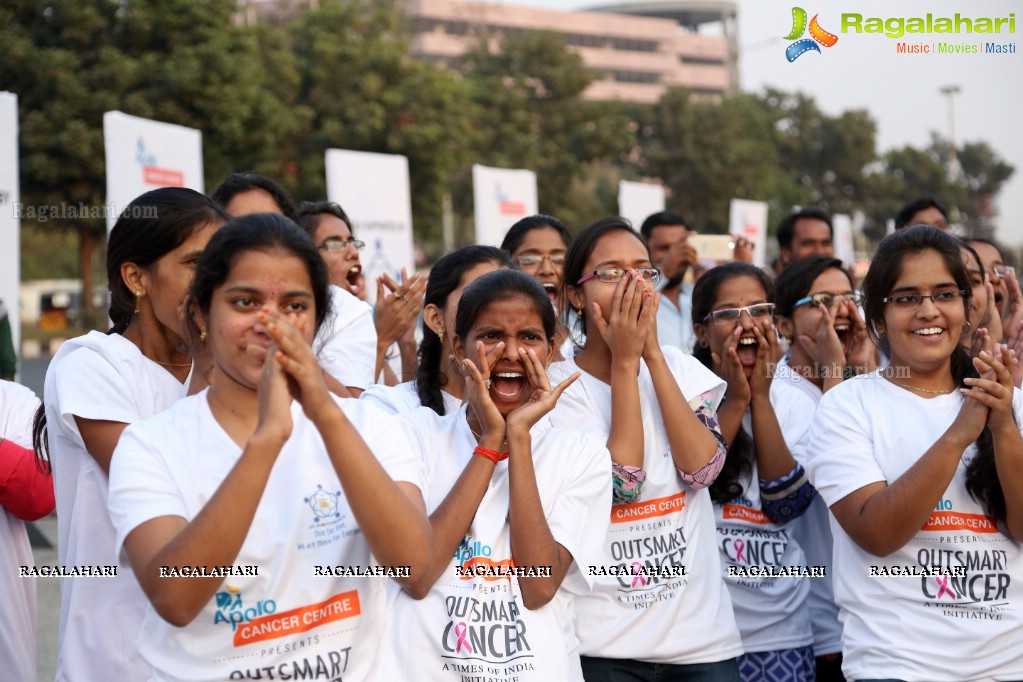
x,y
817,35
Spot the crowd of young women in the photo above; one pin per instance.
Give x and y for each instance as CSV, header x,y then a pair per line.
x,y
554,495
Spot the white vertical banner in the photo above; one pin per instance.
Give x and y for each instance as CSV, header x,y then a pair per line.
x,y
842,238
10,215
749,219
142,155
638,200
374,191
502,197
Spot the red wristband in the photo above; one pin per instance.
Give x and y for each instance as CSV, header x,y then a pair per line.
x,y
493,455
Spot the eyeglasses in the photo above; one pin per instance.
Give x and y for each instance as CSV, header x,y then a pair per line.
x,y
908,301
828,299
533,260
757,310
1004,270
612,275
335,244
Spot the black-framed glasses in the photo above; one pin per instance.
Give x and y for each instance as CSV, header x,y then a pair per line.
x,y
755,311
826,299
908,301
613,275
533,260
335,244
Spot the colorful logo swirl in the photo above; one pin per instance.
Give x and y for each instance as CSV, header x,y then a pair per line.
x,y
818,36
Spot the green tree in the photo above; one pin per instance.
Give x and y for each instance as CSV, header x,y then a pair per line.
x,y
708,152
530,112
178,61
366,94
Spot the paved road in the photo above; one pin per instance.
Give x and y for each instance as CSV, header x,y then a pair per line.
x,y
43,534
48,595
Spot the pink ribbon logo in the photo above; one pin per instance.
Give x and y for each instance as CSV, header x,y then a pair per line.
x,y
639,579
463,640
740,546
943,587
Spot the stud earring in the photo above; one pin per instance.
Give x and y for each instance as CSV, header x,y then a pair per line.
x,y
138,301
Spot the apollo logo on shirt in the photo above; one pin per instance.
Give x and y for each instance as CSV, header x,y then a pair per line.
x,y
232,611
470,549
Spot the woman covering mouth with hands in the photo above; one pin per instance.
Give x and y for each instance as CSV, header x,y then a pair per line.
x,y
659,609
828,336
761,488
518,508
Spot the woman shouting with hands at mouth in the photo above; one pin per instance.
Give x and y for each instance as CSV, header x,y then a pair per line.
x,y
822,318
518,508
761,488
269,473
659,609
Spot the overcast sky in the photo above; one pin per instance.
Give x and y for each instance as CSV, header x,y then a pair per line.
x,y
901,92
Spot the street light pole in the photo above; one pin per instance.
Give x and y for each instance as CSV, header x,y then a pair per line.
x,y
951,91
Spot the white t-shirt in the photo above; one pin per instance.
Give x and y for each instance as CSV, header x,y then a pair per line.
x,y
103,377
346,344
934,628
18,609
678,619
675,320
795,399
286,620
474,626
404,398
770,611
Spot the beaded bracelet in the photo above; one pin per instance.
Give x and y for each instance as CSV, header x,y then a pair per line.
x,y
493,455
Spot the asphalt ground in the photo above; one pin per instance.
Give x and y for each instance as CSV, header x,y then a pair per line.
x,y
43,535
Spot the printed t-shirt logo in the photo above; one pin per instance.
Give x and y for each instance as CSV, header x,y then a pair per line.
x,y
323,504
299,620
232,610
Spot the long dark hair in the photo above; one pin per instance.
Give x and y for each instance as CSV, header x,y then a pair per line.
x,y
885,269
579,252
445,276
741,454
150,227
501,285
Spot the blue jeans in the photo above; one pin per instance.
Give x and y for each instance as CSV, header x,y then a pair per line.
x,y
627,670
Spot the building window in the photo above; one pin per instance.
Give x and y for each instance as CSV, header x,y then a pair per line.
x,y
585,40
636,76
701,61
632,45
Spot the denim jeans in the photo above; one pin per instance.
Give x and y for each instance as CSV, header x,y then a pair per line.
x,y
627,670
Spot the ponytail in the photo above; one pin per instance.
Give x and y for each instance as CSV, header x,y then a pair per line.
x,y
41,440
